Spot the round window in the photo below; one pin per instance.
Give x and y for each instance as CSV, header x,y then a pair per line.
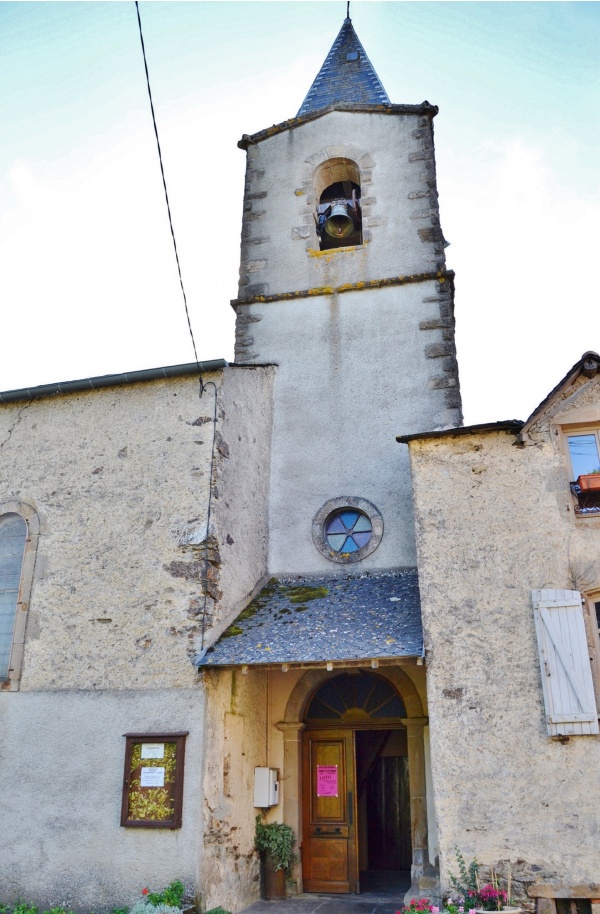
x,y
347,529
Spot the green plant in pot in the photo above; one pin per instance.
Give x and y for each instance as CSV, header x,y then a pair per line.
x,y
275,842
476,898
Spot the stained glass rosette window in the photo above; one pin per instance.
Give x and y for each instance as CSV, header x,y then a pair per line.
x,y
348,531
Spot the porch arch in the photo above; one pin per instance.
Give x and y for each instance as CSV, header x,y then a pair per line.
x,y
292,728
309,683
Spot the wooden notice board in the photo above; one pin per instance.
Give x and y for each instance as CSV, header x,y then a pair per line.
x,y
153,780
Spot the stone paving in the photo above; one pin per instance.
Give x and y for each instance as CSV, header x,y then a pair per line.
x,y
366,903
385,901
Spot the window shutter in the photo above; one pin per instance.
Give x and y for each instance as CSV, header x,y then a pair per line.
x,y
565,663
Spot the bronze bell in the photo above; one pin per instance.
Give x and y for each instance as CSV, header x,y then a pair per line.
x,y
339,223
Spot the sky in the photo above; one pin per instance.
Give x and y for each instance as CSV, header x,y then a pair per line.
x,y
88,280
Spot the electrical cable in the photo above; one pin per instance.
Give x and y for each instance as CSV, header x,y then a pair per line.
x,y
208,513
203,386
164,181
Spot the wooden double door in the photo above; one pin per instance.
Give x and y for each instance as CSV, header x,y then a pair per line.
x,y
356,807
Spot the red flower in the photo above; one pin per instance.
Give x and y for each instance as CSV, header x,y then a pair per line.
x,y
145,891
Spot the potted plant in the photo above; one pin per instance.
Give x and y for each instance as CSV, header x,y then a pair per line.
x,y
589,481
478,898
275,841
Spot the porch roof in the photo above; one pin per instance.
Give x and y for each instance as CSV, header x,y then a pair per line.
x,y
310,620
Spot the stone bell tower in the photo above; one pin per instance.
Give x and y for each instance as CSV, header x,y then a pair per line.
x,y
343,285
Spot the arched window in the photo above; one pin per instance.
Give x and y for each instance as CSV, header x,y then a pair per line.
x,y
13,536
338,196
355,699
19,534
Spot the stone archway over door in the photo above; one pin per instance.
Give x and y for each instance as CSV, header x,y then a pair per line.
x,y
414,722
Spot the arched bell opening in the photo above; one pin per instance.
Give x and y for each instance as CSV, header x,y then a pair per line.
x,y
338,195
356,786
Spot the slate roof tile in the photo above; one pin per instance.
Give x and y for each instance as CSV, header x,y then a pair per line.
x,y
304,619
341,79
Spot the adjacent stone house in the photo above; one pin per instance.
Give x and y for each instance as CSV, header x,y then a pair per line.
x,y
507,522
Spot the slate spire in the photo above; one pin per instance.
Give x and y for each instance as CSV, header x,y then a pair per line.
x,y
346,76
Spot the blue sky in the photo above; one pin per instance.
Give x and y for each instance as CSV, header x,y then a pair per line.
x,y
88,277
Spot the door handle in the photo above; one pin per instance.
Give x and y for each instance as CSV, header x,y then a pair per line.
x,y
350,809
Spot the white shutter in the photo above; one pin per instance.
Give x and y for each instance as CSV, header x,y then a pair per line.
x,y
565,663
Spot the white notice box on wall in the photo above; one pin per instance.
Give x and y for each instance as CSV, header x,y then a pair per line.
x,y
266,787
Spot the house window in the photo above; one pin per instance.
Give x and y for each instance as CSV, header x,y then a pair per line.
x,y
338,195
584,458
19,532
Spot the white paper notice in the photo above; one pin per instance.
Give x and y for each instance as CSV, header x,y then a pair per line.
x,y
152,777
153,750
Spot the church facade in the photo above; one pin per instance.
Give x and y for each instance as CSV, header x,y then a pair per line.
x,y
203,580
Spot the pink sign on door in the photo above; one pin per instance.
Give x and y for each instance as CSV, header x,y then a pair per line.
x,y
327,780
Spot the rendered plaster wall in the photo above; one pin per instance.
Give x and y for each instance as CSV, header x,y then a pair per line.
x,y
242,487
355,370
494,521
401,235
62,756
235,737
120,482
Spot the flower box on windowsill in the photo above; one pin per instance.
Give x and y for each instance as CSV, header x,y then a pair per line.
x,y
589,482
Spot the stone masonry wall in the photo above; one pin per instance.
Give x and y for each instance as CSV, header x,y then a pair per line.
x,y
119,478
401,230
235,736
